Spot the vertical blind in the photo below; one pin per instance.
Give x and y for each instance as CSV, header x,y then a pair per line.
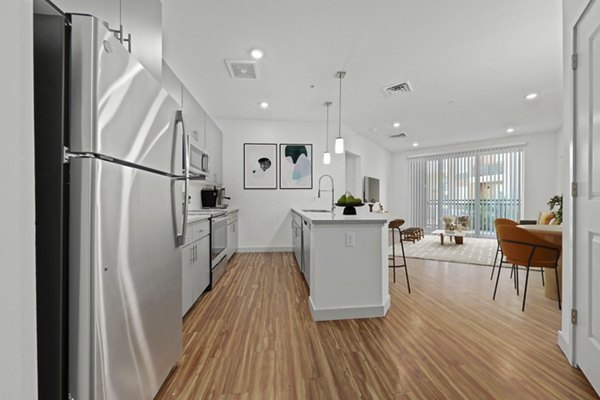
x,y
484,184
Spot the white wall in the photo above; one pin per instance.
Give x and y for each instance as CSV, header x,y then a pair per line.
x,y
18,373
571,11
265,214
540,171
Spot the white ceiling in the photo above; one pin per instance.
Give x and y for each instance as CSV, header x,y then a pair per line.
x,y
470,62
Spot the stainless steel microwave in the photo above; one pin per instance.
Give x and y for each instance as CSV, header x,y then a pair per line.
x,y
198,161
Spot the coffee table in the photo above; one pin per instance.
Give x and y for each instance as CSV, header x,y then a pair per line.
x,y
458,236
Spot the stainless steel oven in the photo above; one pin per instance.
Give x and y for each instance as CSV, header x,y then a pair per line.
x,y
218,246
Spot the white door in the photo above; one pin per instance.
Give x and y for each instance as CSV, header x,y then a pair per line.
x,y
587,201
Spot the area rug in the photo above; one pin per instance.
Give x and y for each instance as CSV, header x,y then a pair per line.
x,y
473,251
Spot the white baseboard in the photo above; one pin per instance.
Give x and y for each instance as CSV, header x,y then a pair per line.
x,y
264,249
566,348
330,314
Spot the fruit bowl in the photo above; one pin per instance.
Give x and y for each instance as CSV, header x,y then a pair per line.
x,y
349,209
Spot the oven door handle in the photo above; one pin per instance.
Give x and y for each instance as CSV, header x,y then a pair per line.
x,y
219,220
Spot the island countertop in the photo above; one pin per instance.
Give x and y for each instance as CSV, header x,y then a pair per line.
x,y
339,218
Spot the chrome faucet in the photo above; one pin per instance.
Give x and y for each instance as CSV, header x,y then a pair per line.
x,y
332,189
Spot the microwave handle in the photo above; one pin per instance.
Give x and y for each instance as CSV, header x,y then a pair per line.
x,y
186,175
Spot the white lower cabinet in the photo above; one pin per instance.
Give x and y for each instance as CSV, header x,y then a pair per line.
x,y
195,264
201,267
232,233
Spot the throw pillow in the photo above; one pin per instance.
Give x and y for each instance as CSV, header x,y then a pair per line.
x,y
448,222
464,221
545,218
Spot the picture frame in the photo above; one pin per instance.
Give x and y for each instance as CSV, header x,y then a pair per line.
x,y
295,166
260,166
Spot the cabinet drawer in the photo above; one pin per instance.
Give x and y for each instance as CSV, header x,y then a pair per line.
x,y
232,217
200,229
297,219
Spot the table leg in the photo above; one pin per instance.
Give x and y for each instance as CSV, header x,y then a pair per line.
x,y
442,238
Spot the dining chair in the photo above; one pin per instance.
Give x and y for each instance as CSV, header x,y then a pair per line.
x,y
393,226
497,222
521,247
513,270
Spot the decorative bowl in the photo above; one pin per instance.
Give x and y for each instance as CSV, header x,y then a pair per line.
x,y
350,209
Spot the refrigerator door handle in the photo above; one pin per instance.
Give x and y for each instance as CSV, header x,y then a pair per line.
x,y
186,174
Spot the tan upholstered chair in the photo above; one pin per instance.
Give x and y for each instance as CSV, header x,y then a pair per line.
x,y
521,247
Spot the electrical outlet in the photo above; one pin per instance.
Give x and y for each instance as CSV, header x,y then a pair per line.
x,y
350,239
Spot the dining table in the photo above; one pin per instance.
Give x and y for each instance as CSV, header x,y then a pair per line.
x,y
553,234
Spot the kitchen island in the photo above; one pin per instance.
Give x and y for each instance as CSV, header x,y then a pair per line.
x,y
344,260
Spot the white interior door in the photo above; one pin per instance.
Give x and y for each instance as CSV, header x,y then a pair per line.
x,y
587,201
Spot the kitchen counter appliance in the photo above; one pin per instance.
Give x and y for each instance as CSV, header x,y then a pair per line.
x,y
213,197
111,169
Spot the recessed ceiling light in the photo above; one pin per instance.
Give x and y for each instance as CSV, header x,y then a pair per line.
x,y
374,129
396,124
510,130
531,96
257,54
415,144
264,104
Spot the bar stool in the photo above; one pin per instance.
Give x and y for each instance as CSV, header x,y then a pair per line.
x,y
395,225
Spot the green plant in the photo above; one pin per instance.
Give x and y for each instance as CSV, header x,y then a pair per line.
x,y
556,201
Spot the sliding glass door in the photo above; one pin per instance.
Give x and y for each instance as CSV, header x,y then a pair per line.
x,y
482,184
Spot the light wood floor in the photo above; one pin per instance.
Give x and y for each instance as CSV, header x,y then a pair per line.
x,y
253,338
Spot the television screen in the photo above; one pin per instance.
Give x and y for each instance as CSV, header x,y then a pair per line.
x,y
371,189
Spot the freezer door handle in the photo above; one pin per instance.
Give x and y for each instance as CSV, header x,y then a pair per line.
x,y
186,174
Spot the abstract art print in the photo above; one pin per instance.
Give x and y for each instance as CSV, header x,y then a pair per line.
x,y
295,166
260,166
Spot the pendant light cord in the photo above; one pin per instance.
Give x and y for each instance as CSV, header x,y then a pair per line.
x,y
327,129
340,113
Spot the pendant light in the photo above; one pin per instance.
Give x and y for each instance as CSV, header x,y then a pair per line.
x,y
327,154
339,141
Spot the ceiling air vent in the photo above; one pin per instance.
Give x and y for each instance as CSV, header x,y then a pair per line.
x,y
399,135
403,87
240,69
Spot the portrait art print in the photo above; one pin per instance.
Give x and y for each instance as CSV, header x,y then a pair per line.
x,y
260,166
295,166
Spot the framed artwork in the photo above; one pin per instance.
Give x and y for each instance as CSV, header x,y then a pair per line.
x,y
295,166
260,166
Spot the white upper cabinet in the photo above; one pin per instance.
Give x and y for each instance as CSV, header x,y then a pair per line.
x,y
140,18
194,120
214,139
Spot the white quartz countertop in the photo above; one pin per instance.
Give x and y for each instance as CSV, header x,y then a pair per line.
x,y
232,210
338,218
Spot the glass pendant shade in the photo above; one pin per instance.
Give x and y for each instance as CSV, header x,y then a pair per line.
x,y
327,158
339,145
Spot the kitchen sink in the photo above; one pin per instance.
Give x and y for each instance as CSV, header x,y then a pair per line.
x,y
317,211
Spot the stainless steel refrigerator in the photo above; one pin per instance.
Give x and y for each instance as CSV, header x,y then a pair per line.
x,y
113,292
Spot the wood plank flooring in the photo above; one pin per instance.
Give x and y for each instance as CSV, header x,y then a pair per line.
x,y
253,338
